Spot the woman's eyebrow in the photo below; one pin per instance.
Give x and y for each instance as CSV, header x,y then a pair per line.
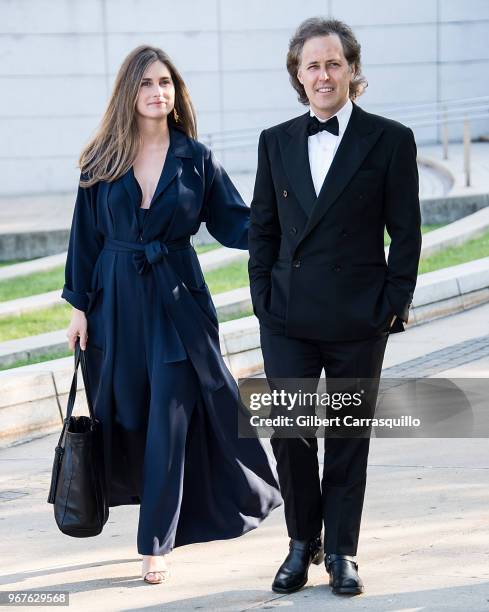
x,y
159,79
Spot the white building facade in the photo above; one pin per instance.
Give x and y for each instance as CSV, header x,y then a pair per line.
x,y
59,59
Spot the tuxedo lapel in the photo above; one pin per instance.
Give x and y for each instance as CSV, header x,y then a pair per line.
x,y
359,137
295,158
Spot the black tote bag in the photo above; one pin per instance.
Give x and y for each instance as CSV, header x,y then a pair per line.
x,y
77,482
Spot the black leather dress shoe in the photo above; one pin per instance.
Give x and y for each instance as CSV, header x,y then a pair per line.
x,y
292,574
343,575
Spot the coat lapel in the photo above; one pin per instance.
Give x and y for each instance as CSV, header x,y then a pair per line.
x,y
129,182
359,137
295,158
179,148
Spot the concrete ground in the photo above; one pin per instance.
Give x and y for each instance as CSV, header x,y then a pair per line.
x,y
424,543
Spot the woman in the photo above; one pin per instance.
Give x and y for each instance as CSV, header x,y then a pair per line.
x,y
167,403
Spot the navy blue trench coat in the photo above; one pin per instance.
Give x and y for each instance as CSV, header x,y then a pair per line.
x,y
167,403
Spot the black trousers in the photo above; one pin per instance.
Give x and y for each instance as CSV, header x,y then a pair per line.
x,y
336,500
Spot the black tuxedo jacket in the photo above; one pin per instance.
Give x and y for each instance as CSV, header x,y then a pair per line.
x,y
317,265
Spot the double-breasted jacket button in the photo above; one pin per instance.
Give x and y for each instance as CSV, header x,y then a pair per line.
x,y
296,263
344,234
285,193
293,230
337,268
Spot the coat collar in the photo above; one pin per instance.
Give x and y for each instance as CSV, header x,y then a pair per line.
x,y
180,147
180,143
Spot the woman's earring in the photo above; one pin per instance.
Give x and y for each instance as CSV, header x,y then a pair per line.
x,y
176,115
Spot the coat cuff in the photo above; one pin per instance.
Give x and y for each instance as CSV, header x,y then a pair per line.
x,y
400,304
397,326
77,300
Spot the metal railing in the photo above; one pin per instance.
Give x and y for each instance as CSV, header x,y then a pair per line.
x,y
441,114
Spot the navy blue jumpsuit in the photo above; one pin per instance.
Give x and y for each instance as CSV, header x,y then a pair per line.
x,y
168,406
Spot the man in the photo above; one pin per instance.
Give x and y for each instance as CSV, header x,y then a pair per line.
x,y
328,183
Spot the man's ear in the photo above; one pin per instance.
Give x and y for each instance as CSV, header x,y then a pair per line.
x,y
299,76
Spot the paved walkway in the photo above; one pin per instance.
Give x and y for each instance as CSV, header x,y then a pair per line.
x,y
424,542
43,212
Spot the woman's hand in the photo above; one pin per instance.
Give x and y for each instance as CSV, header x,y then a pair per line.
x,y
77,328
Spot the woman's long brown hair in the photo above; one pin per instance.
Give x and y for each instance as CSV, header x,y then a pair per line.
x,y
113,149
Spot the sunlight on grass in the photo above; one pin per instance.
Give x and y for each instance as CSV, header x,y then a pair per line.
x,y
204,248
228,277
232,276
33,323
40,359
32,284
452,256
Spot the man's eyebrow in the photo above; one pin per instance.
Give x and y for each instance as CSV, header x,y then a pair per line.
x,y
331,59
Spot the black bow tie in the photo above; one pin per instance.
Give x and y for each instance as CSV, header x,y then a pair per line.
x,y
331,125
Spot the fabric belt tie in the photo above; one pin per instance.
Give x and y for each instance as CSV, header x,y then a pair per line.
x,y
146,255
153,253
190,330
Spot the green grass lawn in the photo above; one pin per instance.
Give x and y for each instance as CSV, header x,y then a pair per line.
x,y
33,323
452,256
204,248
11,262
52,280
47,357
240,315
67,353
221,280
227,278
32,284
51,319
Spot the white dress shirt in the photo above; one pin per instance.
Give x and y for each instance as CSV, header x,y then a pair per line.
x,y
323,146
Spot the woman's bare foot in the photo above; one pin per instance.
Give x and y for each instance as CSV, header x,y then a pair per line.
x,y
155,569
